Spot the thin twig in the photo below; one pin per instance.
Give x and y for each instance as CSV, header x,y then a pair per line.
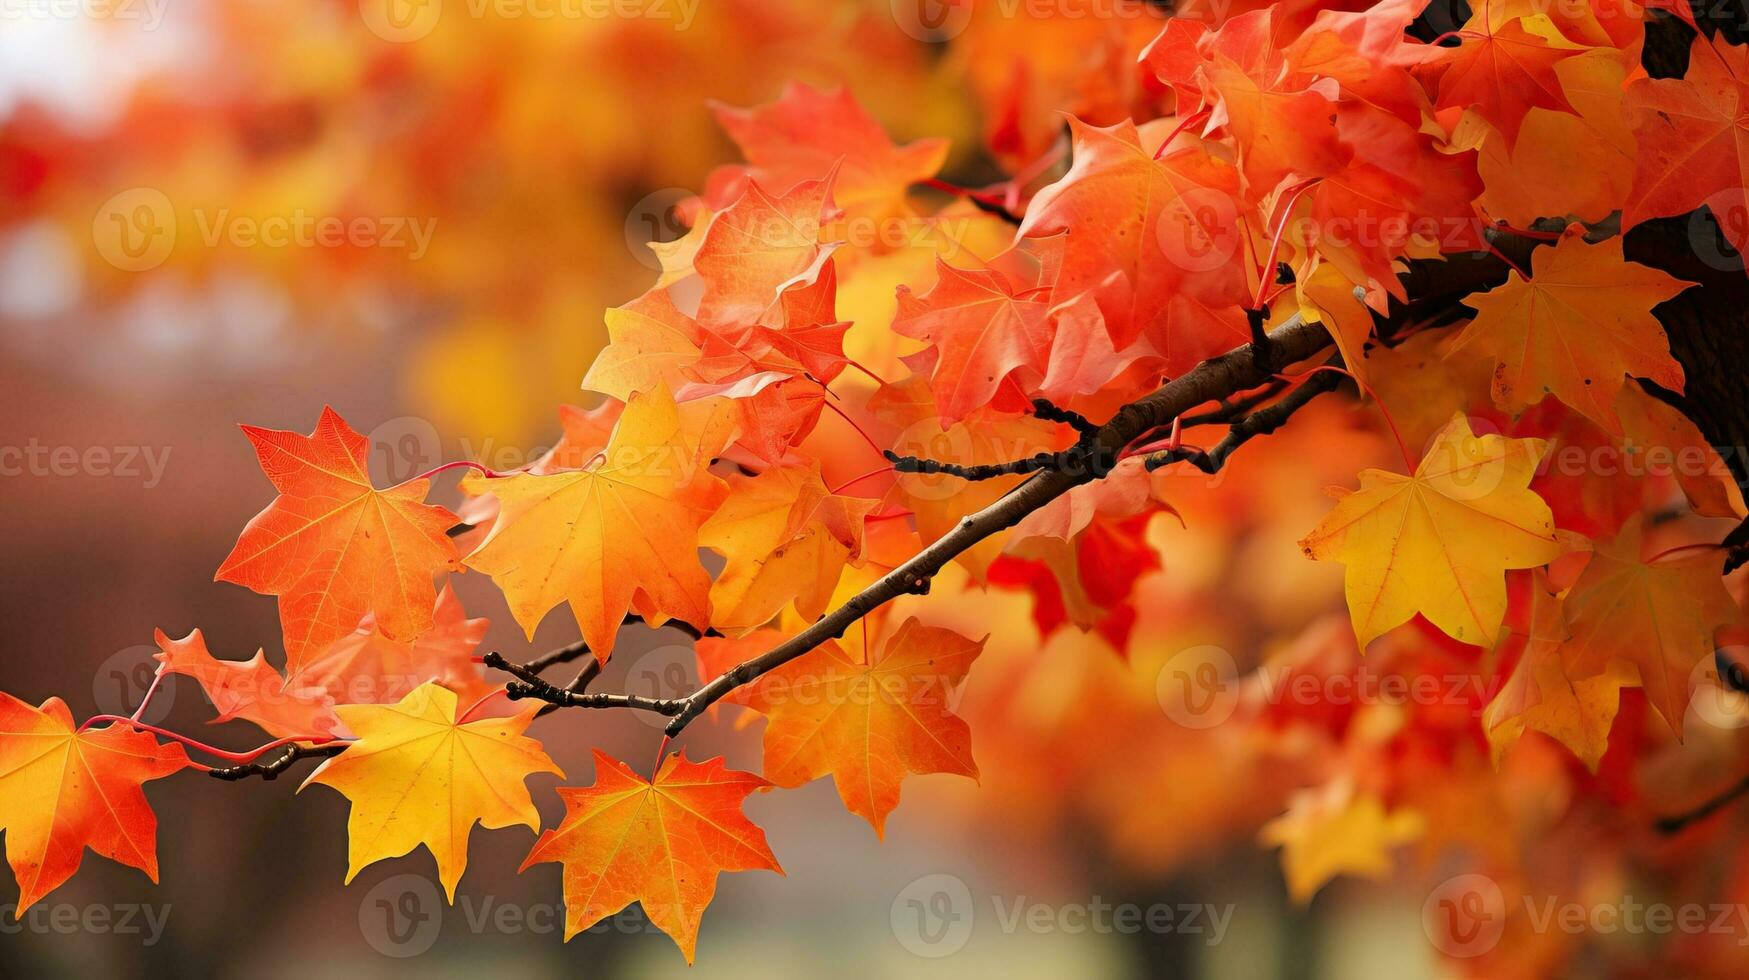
x,y
1681,821
271,770
1259,423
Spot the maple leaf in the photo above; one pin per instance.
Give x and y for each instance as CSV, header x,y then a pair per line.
x,y
1337,830
1083,361
1692,147
251,690
806,133
1281,135
757,245
1576,329
1326,296
660,843
1154,239
332,546
1503,73
981,332
1654,426
786,538
366,665
419,773
869,725
363,667
649,343
63,790
1564,163
1657,616
1539,696
607,539
1439,542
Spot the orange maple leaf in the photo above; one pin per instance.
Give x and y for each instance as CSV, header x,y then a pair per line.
x,y
63,790
250,690
807,132
1657,616
332,546
786,539
662,844
1576,329
869,725
363,667
981,333
621,535
1691,145
756,246
1503,73
1156,240
1539,696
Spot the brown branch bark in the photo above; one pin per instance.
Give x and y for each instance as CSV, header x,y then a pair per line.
x,y
1213,380
1217,379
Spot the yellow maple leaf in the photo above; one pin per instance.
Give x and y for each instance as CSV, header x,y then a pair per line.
x,y
420,774
1334,831
1438,543
786,538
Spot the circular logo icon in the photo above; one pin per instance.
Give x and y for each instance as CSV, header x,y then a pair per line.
x,y
932,21
1715,700
124,678
401,916
1467,469
1199,687
1465,915
932,917
668,671
657,218
135,230
400,21
1199,231
1713,228
402,448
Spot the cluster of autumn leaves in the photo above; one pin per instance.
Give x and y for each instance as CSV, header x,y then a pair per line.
x,y
745,415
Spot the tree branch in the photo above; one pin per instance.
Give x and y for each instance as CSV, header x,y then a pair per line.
x,y
530,685
1213,380
271,770
1676,823
1262,422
